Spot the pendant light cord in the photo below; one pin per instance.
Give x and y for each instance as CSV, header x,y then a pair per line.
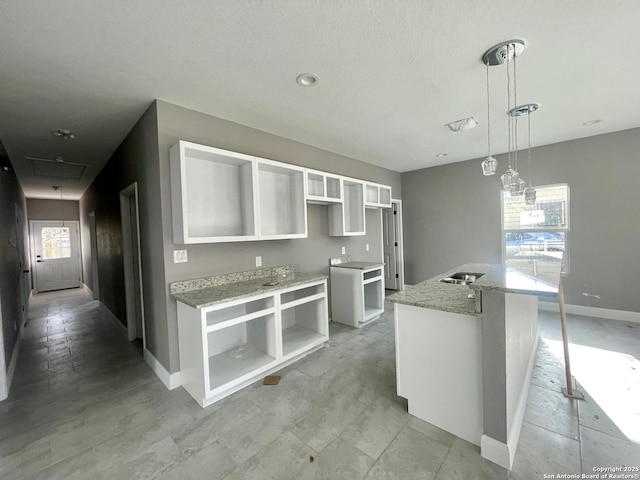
x,y
515,104
508,109
488,116
529,137
61,206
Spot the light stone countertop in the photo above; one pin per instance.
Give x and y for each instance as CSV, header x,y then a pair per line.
x,y
205,297
535,274
437,295
358,265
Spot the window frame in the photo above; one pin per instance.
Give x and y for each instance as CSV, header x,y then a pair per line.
x,y
566,230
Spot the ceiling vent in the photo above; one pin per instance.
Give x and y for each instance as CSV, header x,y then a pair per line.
x,y
43,167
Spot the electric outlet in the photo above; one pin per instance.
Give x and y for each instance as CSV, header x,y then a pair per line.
x,y
180,256
344,250
366,247
258,261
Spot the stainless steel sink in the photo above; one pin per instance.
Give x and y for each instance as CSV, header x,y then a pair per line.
x,y
462,278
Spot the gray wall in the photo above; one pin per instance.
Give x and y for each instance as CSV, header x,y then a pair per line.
x,y
46,209
11,260
452,216
311,254
135,160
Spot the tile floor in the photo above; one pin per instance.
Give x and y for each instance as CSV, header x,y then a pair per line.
x,y
83,405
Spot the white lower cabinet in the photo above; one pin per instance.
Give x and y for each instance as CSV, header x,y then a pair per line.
x,y
227,346
357,294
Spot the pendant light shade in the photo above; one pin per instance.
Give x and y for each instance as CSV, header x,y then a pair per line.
x,y
489,166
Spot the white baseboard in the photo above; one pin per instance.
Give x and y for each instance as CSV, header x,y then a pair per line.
x,y
620,315
170,380
117,323
495,451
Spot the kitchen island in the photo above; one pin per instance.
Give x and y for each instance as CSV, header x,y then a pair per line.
x,y
465,353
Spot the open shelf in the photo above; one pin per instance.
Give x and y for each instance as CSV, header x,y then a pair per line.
x,y
240,349
303,326
373,299
236,312
282,205
377,196
212,194
323,188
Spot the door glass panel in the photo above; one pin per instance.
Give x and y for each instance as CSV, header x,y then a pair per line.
x,y
56,243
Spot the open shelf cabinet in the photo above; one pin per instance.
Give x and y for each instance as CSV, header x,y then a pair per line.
x,y
223,196
357,296
347,218
202,213
227,346
377,196
283,210
323,188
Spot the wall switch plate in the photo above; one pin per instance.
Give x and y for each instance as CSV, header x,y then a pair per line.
x,y
344,250
258,261
180,256
366,247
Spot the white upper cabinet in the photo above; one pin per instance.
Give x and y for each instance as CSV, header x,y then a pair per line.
x,y
223,196
212,194
347,218
377,196
283,211
323,188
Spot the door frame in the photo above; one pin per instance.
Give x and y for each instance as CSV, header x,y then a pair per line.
x,y
397,224
4,386
93,248
32,245
127,258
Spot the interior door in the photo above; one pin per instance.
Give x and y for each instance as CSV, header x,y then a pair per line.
x,y
390,248
23,262
57,256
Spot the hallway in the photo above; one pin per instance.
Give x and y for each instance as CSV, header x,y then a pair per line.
x,y
85,405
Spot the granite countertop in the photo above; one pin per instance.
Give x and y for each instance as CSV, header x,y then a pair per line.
x,y
205,297
447,297
359,265
531,275
535,274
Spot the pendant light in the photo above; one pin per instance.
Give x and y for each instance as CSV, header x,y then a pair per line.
x,y
489,164
529,192
501,54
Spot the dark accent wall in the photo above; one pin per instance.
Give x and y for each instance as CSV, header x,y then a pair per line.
x,y
452,216
135,160
47,209
12,262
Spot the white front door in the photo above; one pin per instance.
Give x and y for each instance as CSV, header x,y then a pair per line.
x,y
57,256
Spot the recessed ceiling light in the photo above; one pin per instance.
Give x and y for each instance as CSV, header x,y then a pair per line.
x,y
591,122
441,155
64,134
307,80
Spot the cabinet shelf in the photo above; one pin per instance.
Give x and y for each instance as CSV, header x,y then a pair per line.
x,y
227,346
377,196
323,188
347,218
357,296
283,211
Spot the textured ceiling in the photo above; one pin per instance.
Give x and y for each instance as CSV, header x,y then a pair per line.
x,y
391,73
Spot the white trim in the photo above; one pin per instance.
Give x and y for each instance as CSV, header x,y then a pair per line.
x,y
116,323
495,451
620,315
170,380
5,384
400,239
86,288
129,274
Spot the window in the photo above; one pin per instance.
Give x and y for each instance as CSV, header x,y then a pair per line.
x,y
55,243
540,229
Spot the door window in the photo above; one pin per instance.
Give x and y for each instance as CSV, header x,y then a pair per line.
x,y
56,243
